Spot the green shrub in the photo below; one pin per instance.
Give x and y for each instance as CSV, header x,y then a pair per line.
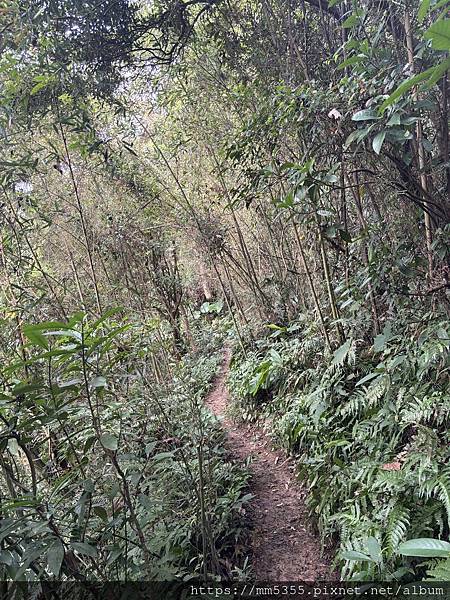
x,y
108,470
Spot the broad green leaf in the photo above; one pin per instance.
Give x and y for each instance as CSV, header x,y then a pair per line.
x,y
287,201
378,141
114,554
374,549
423,10
275,356
439,34
84,548
109,441
101,512
17,504
88,485
439,71
276,327
38,87
353,60
440,4
105,316
6,557
150,447
65,333
55,557
350,21
146,502
48,325
398,360
162,456
355,555
25,388
69,383
13,446
430,74
425,547
42,81
35,336
380,341
340,354
32,552
367,114
394,119
405,86
76,318
358,135
98,382
366,378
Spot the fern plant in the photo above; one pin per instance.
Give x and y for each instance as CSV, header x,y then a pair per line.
x,y
369,429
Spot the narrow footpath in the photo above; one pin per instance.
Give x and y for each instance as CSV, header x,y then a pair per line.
x,y
283,546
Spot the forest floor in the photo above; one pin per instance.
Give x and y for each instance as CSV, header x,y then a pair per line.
x,y
283,545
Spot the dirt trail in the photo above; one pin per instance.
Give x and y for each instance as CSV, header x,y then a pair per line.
x,y
283,546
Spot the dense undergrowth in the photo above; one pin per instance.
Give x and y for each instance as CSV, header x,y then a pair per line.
x,y
111,474
369,427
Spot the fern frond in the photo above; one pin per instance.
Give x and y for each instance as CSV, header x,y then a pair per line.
x,y
355,404
426,409
389,480
398,523
442,491
440,572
